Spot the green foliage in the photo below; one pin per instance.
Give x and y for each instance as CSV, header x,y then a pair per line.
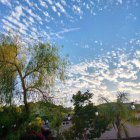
x,y
86,123
55,114
11,115
28,70
119,113
7,87
80,99
44,60
34,125
10,120
7,72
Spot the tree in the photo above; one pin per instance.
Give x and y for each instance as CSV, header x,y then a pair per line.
x,y
119,113
7,71
28,69
88,124
10,119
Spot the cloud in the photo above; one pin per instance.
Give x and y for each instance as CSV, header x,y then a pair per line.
x,y
67,30
18,12
115,71
120,1
77,9
39,14
50,2
59,34
136,62
43,4
6,2
54,9
29,18
31,4
60,7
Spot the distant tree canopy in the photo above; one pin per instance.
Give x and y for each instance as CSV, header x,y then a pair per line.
x,y
28,69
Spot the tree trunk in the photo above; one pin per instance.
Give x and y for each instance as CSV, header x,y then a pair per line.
x,y
25,102
118,128
119,134
24,89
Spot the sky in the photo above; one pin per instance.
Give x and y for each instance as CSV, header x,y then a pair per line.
x,y
100,37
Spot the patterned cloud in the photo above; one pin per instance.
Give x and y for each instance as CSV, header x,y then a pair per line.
x,y
115,71
34,19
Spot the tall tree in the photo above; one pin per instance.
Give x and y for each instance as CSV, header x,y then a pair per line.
x,y
88,124
28,69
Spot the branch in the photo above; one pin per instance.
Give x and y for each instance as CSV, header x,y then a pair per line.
x,y
38,89
19,72
34,70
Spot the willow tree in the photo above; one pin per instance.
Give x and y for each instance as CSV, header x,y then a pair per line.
x,y
28,70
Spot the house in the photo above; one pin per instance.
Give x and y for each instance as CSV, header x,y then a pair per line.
x,y
66,123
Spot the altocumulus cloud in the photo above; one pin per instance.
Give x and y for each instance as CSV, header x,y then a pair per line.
x,y
28,15
113,72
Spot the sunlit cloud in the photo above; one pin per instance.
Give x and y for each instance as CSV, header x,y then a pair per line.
x,y
101,78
